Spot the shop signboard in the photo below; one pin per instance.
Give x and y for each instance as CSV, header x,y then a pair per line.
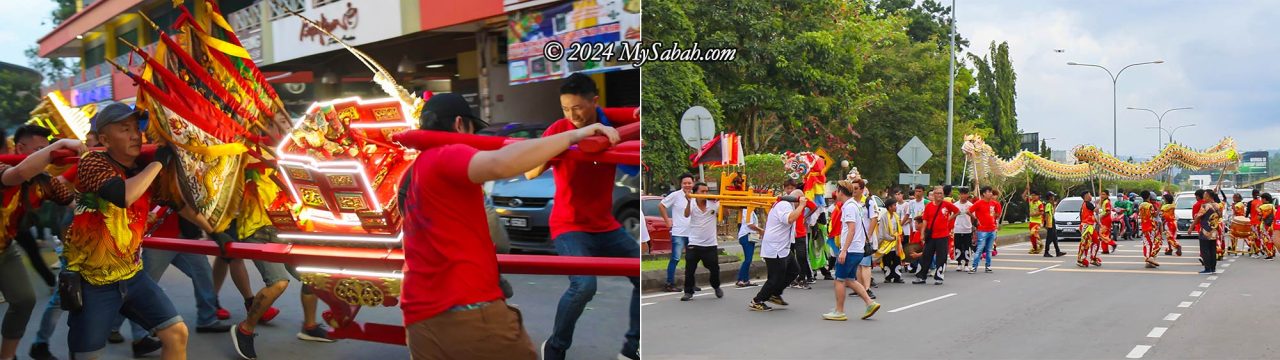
x,y
610,22
356,22
92,92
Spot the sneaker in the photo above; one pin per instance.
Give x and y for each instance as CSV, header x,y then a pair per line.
x,y
778,300
145,346
1168,252
115,337
1270,258
871,310
1202,272
318,333
1061,253
917,281
218,326
1179,251
835,316
758,306
223,314
987,271
937,281
270,314
719,293
686,297
1047,255
973,270
871,295
40,351
244,343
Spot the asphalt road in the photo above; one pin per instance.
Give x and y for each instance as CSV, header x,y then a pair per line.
x,y
1030,307
599,332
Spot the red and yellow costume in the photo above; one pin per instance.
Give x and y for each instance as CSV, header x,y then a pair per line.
x,y
1171,227
1037,213
1088,237
104,242
1104,216
1267,216
1239,209
1150,232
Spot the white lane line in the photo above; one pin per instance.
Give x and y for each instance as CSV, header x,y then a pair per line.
x,y
710,293
1184,304
1043,269
1212,278
646,304
660,295
1138,351
1172,317
1204,285
1232,260
922,302
1226,265
1157,332
1196,293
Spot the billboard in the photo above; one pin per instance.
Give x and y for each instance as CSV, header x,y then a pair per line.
x,y
1253,162
581,21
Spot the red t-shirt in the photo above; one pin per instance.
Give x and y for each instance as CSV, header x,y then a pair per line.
x,y
836,224
985,211
1254,216
938,224
449,259
584,192
801,226
1195,211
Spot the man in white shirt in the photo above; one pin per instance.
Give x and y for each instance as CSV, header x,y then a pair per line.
x,y
855,235
671,207
701,215
775,250
963,230
750,224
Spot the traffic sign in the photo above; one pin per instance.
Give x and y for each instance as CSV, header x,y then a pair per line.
x,y
914,154
913,179
697,127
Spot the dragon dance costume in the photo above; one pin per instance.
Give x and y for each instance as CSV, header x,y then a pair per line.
x,y
1171,228
1089,241
1266,214
1035,224
1104,234
1238,209
1150,233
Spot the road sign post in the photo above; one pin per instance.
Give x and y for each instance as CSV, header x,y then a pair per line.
x,y
697,127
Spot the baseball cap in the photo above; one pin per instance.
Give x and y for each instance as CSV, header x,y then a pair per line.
x,y
114,113
441,109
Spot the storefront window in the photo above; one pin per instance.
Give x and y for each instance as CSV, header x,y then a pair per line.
x,y
95,55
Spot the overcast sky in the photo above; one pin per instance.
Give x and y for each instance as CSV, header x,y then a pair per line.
x,y
1221,57
21,27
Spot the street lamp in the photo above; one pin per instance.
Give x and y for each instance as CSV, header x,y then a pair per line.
x,y
1114,137
1159,121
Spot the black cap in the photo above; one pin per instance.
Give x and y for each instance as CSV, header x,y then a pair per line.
x,y
441,109
113,113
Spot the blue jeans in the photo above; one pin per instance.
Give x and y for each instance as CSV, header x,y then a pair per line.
x,y
748,252
139,298
677,249
52,310
615,243
196,267
985,240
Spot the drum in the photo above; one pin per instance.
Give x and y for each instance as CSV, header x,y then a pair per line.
x,y
914,251
1240,227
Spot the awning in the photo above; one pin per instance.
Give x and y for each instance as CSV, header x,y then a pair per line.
x,y
54,44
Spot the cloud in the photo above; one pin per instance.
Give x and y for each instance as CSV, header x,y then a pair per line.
x,y
1219,58
22,27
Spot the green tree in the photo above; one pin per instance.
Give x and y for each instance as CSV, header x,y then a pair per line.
x,y
55,69
996,80
929,21
22,91
673,87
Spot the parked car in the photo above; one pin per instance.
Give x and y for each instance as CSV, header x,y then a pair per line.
x,y
524,207
516,130
659,233
1066,218
1182,204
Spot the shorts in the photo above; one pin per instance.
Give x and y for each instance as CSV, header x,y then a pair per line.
x,y
138,298
849,269
272,272
493,331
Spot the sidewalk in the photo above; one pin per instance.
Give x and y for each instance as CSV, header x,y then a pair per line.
x,y
652,280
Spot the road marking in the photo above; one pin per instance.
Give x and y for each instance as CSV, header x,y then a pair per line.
x,y
1011,268
1043,269
1030,261
1196,293
1157,332
1172,317
1204,285
1161,264
1126,271
704,294
1213,277
1184,304
645,304
1232,260
1226,265
660,295
922,302
1138,351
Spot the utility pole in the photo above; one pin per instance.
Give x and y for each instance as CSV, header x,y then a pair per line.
x,y
951,91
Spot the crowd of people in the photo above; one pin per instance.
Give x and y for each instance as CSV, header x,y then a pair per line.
x,y
921,233
452,300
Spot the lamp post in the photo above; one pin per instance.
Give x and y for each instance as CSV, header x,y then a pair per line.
x,y
951,90
1159,122
1114,137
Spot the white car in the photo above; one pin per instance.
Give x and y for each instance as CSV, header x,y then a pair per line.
x,y
1066,218
1182,204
